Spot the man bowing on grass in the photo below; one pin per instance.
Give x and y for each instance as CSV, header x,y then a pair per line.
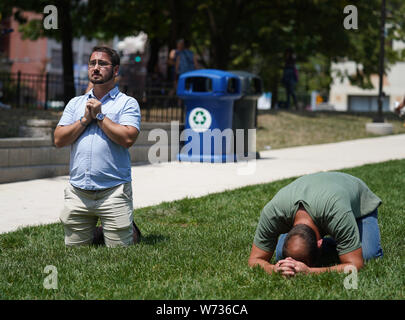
x,y
313,216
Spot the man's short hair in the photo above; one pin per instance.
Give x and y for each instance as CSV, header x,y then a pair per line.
x,y
310,251
115,58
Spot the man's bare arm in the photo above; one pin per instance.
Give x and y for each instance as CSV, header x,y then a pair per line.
x,y
354,258
259,257
123,135
66,135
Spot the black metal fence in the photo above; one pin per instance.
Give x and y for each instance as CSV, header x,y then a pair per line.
x,y
158,102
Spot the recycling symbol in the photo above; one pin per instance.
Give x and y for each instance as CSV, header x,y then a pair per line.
x,y
199,118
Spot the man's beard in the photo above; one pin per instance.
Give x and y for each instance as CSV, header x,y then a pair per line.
x,y
101,81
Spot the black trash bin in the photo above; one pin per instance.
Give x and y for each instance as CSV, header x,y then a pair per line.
x,y
245,112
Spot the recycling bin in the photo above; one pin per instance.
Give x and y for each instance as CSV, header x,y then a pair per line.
x,y
245,114
208,96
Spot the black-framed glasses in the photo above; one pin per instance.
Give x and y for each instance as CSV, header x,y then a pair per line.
x,y
101,63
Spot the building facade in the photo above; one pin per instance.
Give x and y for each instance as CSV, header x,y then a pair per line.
x,y
345,97
43,55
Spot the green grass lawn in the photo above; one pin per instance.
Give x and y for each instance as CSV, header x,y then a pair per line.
x,y
198,249
283,129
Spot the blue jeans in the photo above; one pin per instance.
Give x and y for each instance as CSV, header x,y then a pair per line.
x,y
369,237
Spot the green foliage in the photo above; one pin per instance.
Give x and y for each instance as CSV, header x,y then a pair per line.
x,y
364,43
249,35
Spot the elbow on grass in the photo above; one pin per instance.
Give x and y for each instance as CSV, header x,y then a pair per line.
x,y
359,265
253,263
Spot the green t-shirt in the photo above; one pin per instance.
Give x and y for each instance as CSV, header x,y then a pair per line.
x,y
334,201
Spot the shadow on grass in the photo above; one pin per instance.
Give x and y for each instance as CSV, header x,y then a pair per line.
x,y
150,239
388,115
11,242
153,238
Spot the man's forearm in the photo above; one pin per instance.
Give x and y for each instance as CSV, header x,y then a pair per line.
x,y
66,135
336,268
267,266
118,133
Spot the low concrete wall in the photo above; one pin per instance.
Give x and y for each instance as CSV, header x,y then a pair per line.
x,y
139,151
36,157
35,128
31,158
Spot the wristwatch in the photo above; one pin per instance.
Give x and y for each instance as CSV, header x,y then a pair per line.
x,y
84,125
100,116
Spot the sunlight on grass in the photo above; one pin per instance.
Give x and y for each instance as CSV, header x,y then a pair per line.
x,y
284,129
198,249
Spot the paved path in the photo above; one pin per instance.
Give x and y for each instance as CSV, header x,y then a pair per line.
x,y
40,201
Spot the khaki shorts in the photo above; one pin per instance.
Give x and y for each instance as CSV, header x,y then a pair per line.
x,y
83,208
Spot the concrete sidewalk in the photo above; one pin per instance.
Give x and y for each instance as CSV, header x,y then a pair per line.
x,y
40,201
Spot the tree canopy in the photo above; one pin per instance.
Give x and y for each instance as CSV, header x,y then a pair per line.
x,y
238,34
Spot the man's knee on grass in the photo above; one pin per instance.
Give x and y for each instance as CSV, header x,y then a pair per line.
x,y
301,245
99,237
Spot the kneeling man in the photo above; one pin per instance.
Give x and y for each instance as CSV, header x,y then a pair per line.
x,y
295,222
100,126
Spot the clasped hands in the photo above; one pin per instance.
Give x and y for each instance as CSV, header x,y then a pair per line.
x,y
289,267
93,107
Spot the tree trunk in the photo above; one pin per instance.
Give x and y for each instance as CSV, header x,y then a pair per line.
x,y
67,51
221,51
173,25
154,55
222,32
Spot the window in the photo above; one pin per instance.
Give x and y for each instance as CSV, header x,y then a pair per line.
x,y
56,59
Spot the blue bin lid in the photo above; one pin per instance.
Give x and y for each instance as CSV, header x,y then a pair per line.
x,y
209,83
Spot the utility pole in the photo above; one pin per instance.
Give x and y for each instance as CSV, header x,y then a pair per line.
x,y
379,117
378,126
